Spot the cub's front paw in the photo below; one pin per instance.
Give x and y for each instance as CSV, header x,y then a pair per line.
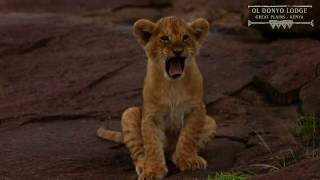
x,y
153,172
191,162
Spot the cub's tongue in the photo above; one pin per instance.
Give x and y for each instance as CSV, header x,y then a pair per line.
x,y
175,68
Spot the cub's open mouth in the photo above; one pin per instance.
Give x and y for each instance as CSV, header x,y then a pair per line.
x,y
175,66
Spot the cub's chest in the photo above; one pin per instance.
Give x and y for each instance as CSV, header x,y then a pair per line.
x,y
175,116
178,104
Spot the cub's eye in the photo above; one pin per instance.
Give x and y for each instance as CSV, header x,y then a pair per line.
x,y
185,37
164,39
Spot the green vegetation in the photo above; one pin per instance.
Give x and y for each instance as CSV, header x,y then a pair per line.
x,y
231,176
307,125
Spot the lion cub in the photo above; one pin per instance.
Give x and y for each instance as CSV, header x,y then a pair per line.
x,y
172,119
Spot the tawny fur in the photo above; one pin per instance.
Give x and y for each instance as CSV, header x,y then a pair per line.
x,y
173,119
115,136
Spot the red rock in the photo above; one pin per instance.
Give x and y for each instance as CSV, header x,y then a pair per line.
x,y
224,16
52,85
306,169
70,6
207,8
310,98
266,130
100,10
281,81
62,150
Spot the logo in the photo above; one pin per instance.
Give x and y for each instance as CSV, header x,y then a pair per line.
x,y
280,16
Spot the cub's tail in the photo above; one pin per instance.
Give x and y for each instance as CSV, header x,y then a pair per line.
x,y
110,135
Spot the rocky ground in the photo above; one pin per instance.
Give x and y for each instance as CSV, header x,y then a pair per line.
x,y
71,66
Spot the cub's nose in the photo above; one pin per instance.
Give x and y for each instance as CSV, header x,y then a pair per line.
x,y
177,52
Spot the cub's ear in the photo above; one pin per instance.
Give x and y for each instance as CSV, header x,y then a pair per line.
x,y
142,31
200,28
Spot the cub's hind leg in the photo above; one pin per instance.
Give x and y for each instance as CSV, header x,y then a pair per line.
x,y
131,131
208,132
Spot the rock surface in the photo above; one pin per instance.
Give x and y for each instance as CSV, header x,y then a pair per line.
x,y
309,96
282,80
67,72
307,169
111,10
